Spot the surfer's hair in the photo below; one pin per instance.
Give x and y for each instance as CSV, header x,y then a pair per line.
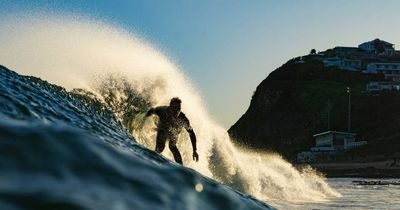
x,y
175,100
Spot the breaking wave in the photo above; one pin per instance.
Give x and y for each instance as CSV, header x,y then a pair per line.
x,y
115,69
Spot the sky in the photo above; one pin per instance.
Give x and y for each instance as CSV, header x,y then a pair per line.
x,y
228,47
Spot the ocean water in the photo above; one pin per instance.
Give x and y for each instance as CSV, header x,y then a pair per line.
x,y
355,196
84,143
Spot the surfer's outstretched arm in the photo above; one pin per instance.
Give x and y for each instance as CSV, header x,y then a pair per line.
x,y
150,112
193,140
192,135
155,110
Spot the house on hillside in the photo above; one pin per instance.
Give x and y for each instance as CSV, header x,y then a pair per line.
x,y
378,47
349,52
391,70
351,64
373,57
383,85
345,64
347,58
357,58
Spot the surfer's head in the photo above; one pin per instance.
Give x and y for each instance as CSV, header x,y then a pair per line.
x,y
175,105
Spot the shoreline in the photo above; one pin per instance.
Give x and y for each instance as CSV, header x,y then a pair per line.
x,y
360,172
375,169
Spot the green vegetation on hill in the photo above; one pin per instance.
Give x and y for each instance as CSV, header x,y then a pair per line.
x,y
293,103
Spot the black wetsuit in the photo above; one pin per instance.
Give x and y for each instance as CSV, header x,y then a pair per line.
x,y
169,128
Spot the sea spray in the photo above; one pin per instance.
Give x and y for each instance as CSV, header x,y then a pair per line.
x,y
80,52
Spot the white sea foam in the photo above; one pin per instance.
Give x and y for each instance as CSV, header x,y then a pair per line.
x,y
79,52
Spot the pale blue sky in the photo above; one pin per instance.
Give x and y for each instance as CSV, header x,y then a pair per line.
x,y
228,47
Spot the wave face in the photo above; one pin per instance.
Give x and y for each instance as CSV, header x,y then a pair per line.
x,y
59,153
116,76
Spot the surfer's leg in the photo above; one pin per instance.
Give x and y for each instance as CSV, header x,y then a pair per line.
x,y
175,152
160,143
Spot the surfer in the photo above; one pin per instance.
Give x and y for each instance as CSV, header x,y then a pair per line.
x,y
172,120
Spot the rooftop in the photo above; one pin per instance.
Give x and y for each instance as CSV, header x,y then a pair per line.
x,y
379,41
333,132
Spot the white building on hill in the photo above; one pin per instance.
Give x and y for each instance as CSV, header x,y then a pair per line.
x,y
378,47
356,58
391,70
383,85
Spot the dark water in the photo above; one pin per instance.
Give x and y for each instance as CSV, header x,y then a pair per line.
x,y
58,152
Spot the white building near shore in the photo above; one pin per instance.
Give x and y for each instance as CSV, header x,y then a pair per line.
x,y
335,141
329,143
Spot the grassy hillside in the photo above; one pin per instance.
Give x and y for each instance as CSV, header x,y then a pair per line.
x,y
293,103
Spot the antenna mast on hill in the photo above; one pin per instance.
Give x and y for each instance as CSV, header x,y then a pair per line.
x,y
349,112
